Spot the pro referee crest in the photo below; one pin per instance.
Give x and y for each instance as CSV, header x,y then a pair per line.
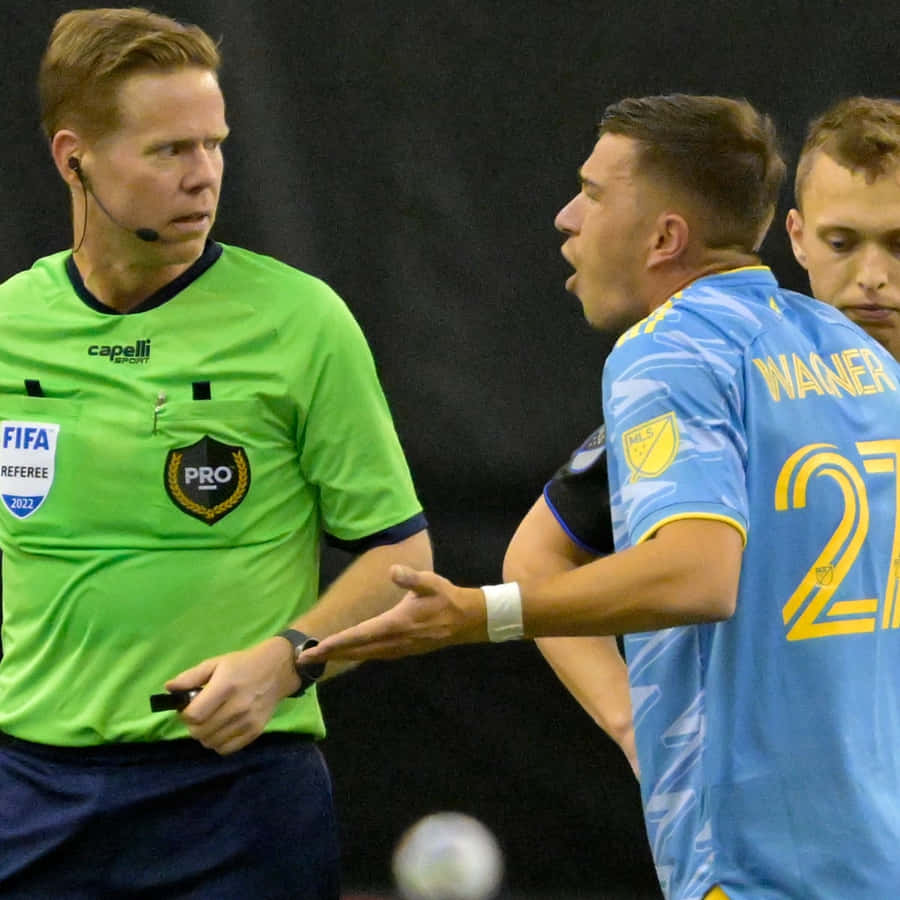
x,y
208,479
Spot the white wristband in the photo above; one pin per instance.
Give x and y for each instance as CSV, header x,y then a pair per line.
x,y
504,611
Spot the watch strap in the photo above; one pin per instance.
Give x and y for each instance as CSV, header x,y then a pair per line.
x,y
308,674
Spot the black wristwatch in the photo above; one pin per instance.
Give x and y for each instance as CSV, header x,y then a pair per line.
x,y
309,674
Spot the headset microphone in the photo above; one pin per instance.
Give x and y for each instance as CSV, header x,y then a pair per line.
x,y
145,234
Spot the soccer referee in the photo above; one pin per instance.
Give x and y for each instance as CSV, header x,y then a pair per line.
x,y
180,423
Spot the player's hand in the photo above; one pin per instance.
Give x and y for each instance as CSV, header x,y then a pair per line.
x,y
240,693
433,613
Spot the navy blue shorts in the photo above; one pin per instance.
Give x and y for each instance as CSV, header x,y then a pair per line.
x,y
167,820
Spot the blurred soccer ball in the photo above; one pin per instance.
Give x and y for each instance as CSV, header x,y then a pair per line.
x,y
448,856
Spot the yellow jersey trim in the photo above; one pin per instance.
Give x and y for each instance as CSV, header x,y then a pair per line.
x,y
754,267
728,520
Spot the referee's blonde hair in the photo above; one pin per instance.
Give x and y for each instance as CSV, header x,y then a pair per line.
x,y
91,51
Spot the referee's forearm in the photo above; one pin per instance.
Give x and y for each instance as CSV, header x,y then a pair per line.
x,y
364,589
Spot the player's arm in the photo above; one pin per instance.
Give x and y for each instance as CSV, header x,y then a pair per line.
x,y
683,566
685,575
591,668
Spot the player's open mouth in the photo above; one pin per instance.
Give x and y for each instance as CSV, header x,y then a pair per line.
x,y
571,279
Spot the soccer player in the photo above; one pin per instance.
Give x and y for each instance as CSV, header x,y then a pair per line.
x,y
846,232
180,423
754,457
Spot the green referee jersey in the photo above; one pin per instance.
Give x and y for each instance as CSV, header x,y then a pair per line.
x,y
166,477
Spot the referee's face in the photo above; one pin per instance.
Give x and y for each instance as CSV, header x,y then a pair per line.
x,y
161,168
607,227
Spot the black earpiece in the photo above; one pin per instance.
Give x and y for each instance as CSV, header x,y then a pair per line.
x,y
145,234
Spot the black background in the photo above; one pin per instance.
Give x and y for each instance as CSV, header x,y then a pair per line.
x,y
414,156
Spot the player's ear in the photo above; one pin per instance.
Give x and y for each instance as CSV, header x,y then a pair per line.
x,y
794,225
670,238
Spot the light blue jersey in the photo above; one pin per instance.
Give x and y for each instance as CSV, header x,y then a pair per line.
x,y
769,744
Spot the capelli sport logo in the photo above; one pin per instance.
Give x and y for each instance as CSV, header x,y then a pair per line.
x,y
135,354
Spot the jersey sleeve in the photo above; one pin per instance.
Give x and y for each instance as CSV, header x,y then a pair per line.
x,y
349,449
672,401
578,496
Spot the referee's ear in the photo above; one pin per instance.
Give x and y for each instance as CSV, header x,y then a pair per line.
x,y
65,145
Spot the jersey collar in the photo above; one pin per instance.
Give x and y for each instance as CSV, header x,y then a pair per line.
x,y
741,274
211,252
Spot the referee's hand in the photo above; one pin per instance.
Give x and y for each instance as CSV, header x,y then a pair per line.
x,y
239,695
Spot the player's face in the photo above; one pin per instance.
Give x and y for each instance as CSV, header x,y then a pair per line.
x,y
847,237
607,225
162,167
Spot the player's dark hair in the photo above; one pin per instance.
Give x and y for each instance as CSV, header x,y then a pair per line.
x,y
721,151
859,133
90,53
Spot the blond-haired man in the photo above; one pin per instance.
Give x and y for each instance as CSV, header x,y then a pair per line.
x,y
181,421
